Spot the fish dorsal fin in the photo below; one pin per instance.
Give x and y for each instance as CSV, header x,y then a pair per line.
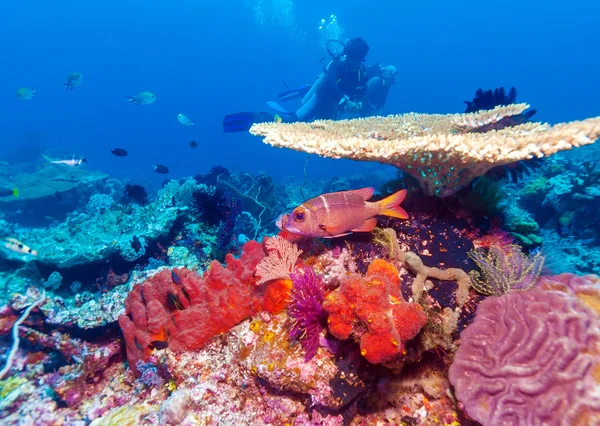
x,y
367,225
364,193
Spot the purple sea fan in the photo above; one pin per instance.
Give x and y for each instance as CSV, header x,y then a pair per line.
x,y
306,309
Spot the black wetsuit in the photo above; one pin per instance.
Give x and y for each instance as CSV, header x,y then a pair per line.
x,y
340,80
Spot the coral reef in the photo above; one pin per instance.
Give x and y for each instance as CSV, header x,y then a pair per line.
x,y
49,181
443,152
105,229
530,357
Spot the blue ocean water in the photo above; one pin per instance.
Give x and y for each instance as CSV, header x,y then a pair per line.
x,y
208,59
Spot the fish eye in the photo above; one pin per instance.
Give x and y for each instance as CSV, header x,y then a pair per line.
x,y
299,215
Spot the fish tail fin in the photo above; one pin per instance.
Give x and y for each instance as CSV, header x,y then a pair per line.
x,y
130,99
390,206
16,192
192,125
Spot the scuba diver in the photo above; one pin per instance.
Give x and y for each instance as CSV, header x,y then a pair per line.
x,y
344,86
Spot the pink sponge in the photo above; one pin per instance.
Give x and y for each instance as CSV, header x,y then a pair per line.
x,y
530,358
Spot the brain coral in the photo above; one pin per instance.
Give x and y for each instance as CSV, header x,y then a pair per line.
x,y
530,358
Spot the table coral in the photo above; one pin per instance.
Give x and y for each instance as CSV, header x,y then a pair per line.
x,y
530,358
443,152
372,311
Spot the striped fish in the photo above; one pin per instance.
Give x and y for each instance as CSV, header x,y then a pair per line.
x,y
340,213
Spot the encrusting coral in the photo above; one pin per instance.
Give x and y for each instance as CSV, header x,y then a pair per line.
x,y
443,152
372,311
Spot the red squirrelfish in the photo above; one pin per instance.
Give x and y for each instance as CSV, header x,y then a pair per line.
x,y
341,213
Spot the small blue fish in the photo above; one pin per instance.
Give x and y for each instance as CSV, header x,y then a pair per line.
x,y
175,277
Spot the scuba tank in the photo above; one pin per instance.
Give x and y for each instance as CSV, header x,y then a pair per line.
x,y
321,77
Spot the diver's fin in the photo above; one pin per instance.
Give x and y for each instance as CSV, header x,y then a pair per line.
x,y
390,206
367,226
242,121
278,108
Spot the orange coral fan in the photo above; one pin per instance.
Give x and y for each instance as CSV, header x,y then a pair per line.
x,y
372,311
182,310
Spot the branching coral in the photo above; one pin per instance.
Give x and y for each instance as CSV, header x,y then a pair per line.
x,y
530,358
504,269
443,152
306,309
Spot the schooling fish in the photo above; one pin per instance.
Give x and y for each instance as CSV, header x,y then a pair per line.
x,y
26,93
184,120
18,247
159,168
73,80
74,162
341,213
119,152
8,192
142,98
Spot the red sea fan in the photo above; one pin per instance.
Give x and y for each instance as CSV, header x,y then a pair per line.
x,y
306,309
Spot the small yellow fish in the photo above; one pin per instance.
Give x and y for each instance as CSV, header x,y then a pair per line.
x,y
340,213
278,118
26,93
73,80
142,98
18,247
